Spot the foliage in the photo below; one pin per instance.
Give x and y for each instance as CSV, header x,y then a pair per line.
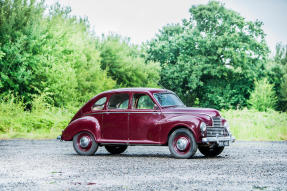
x,y
43,121
254,125
214,56
74,73
46,121
56,54
51,63
20,37
263,97
124,64
276,69
284,89
281,59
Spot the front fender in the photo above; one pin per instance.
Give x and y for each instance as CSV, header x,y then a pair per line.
x,y
87,123
172,123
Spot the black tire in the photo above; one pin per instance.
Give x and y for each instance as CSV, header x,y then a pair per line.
x,y
90,149
116,149
211,152
190,147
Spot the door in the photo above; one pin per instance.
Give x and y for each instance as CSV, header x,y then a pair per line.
x,y
115,124
144,118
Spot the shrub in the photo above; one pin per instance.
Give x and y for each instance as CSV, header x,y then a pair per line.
x,y
42,121
263,97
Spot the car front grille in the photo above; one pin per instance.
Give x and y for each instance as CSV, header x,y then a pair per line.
x,y
216,129
216,122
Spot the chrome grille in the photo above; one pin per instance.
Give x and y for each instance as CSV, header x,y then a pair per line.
x,y
216,129
216,122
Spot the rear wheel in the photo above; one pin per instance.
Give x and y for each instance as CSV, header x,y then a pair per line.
x,y
84,143
116,149
211,151
182,144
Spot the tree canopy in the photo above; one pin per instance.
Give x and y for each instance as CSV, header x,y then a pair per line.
x,y
214,56
50,52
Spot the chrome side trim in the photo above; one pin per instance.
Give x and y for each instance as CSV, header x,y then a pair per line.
x,y
146,112
122,112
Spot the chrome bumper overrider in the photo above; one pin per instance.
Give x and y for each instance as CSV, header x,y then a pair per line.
x,y
221,141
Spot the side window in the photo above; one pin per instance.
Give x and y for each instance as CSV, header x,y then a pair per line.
x,y
98,105
142,101
119,101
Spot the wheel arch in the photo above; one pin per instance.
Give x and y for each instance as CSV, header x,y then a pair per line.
x,y
179,127
88,124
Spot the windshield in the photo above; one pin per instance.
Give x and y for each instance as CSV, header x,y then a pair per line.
x,y
168,99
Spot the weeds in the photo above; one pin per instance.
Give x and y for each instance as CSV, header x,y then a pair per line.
x,y
45,121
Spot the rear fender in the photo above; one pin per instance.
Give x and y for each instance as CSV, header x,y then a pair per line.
x,y
87,123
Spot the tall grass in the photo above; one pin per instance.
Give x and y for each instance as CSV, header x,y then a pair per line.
x,y
42,121
254,125
45,121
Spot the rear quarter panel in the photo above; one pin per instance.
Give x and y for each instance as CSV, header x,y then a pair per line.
x,y
86,123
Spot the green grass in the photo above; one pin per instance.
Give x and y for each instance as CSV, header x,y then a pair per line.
x,y
46,122
254,125
42,122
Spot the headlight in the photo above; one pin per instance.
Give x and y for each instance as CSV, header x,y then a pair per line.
x,y
226,125
202,127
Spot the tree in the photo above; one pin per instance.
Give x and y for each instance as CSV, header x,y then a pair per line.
x,y
20,43
125,65
54,54
281,59
276,73
214,56
73,72
263,97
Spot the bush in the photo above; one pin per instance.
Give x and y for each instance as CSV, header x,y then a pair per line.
x,y
43,121
263,97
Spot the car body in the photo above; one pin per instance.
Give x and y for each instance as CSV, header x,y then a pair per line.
x,y
146,116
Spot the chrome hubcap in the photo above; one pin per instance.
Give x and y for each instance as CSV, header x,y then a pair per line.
x,y
84,142
181,143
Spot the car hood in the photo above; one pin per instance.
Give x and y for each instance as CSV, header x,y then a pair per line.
x,y
207,111
203,113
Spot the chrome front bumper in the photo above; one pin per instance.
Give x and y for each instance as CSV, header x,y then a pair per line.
x,y
221,141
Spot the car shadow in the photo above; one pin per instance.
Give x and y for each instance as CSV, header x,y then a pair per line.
x,y
167,156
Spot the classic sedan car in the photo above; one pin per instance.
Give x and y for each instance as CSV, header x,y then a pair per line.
x,y
120,118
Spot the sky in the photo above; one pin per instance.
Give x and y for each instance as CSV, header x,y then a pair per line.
x,y
141,19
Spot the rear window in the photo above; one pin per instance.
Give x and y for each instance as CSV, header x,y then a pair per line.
x,y
99,105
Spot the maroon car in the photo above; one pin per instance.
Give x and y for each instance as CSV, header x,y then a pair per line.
x,y
146,116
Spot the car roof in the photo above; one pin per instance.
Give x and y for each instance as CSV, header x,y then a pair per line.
x,y
152,90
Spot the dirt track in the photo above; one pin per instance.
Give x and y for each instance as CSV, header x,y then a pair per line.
x,y
53,165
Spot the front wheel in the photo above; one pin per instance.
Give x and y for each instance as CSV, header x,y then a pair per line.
x,y
116,149
211,151
182,144
84,143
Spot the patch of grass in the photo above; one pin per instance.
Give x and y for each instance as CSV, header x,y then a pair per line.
x,y
41,122
254,125
46,122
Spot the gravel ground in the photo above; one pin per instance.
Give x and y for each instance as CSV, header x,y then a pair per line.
x,y
53,165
